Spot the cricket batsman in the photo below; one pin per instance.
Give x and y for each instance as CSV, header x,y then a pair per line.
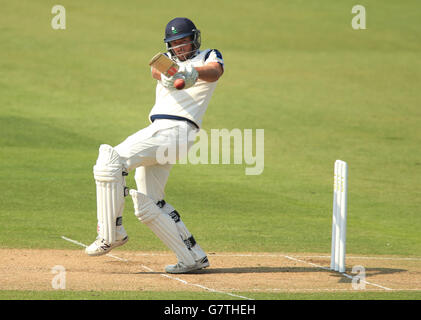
x,y
176,110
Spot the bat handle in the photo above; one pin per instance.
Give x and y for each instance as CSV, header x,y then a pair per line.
x,y
172,71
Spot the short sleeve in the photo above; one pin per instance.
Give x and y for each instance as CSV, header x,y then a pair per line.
x,y
214,55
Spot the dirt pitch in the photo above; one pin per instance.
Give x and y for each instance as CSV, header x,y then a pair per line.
x,y
230,273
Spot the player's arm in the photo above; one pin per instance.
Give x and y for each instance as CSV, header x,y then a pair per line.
x,y
210,72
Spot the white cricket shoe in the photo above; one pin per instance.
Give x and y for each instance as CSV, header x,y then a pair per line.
x,y
100,247
182,268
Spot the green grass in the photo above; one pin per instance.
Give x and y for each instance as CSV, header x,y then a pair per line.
x,y
320,90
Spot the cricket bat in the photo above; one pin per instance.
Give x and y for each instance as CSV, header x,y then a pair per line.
x,y
167,67
164,64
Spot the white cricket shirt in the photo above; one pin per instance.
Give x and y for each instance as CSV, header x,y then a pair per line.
x,y
188,103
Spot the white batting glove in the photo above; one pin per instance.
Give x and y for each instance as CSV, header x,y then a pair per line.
x,y
168,82
189,74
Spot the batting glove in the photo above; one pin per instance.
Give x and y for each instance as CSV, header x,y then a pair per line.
x,y
189,74
168,82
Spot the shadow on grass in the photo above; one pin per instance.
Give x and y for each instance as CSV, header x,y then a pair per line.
x,y
23,132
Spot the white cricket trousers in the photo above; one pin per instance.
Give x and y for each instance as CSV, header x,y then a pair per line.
x,y
139,151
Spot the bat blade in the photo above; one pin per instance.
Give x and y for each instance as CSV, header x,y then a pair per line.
x,y
164,64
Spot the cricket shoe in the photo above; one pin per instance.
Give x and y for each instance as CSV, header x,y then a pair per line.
x,y
182,268
100,247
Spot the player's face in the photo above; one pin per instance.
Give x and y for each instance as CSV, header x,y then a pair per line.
x,y
182,48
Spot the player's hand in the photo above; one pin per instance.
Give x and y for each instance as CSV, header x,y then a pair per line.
x,y
189,74
168,82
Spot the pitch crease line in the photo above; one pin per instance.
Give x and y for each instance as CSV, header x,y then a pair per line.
x,y
84,245
163,274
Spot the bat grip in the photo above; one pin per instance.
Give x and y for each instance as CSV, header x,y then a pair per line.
x,y
172,71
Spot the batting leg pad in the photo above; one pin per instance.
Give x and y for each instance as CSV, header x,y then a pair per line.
x,y
188,239
162,225
111,189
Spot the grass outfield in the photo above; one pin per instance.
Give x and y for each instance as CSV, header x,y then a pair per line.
x,y
320,90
